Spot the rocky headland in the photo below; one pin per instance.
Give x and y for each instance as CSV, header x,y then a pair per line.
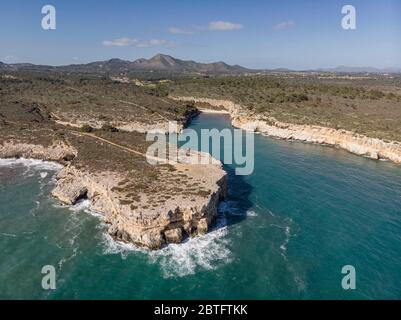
x,y
175,201
96,129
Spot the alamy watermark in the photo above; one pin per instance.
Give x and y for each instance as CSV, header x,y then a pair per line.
x,y
230,146
349,280
348,22
49,20
49,278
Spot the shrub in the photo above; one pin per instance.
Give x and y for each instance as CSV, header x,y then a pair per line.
x,y
109,128
375,94
86,128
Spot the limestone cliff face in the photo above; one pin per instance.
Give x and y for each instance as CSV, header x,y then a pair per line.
x,y
354,143
127,126
152,227
56,152
176,218
145,225
350,141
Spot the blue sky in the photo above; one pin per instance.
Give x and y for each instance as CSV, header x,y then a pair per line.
x,y
261,34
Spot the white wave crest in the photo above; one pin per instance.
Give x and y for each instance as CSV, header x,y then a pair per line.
x,y
283,247
206,252
251,213
111,246
36,164
82,205
43,175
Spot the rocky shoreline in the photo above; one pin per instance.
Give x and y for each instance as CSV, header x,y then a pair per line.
x,y
355,143
170,221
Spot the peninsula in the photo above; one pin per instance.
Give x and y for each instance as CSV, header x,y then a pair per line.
x,y
96,128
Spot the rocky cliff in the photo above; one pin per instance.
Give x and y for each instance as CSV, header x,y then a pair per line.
x,y
155,218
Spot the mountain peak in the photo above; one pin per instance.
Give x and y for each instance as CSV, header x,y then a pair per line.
x,y
160,56
160,62
115,60
163,61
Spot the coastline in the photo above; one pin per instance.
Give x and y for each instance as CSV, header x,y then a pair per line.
x,y
358,144
214,111
151,224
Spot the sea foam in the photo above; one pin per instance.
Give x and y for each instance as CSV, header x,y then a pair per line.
x,y
206,252
31,163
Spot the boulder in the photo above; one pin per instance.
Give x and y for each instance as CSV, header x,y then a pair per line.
x,y
203,226
173,235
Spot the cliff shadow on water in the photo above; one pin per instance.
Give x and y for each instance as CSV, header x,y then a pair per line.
x,y
236,206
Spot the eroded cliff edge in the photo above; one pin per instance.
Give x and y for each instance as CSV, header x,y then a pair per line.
x,y
148,205
355,143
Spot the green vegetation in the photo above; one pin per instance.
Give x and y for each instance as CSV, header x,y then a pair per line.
x,y
109,128
33,105
38,108
367,105
83,98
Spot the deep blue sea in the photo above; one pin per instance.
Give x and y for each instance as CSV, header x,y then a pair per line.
x,y
285,232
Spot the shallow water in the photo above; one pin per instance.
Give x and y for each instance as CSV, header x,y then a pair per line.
x,y
284,232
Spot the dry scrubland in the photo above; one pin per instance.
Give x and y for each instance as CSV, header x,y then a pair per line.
x,y
78,100
73,120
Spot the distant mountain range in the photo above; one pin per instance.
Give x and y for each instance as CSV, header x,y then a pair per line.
x,y
159,63
166,64
346,69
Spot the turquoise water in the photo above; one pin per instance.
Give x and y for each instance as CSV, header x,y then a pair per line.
x,y
285,232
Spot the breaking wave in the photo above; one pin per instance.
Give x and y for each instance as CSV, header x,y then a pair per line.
x,y
251,213
31,163
82,205
206,252
287,235
43,174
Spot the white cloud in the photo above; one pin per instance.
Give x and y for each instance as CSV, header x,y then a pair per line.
x,y
284,25
176,30
122,42
10,58
212,26
224,26
155,43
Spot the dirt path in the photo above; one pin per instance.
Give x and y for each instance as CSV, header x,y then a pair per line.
x,y
122,101
91,135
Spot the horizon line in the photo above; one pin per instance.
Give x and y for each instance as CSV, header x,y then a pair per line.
x,y
322,69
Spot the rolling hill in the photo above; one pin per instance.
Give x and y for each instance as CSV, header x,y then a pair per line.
x,y
159,63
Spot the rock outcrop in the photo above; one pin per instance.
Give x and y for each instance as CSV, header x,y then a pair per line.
x,y
60,152
127,126
146,224
355,143
151,227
